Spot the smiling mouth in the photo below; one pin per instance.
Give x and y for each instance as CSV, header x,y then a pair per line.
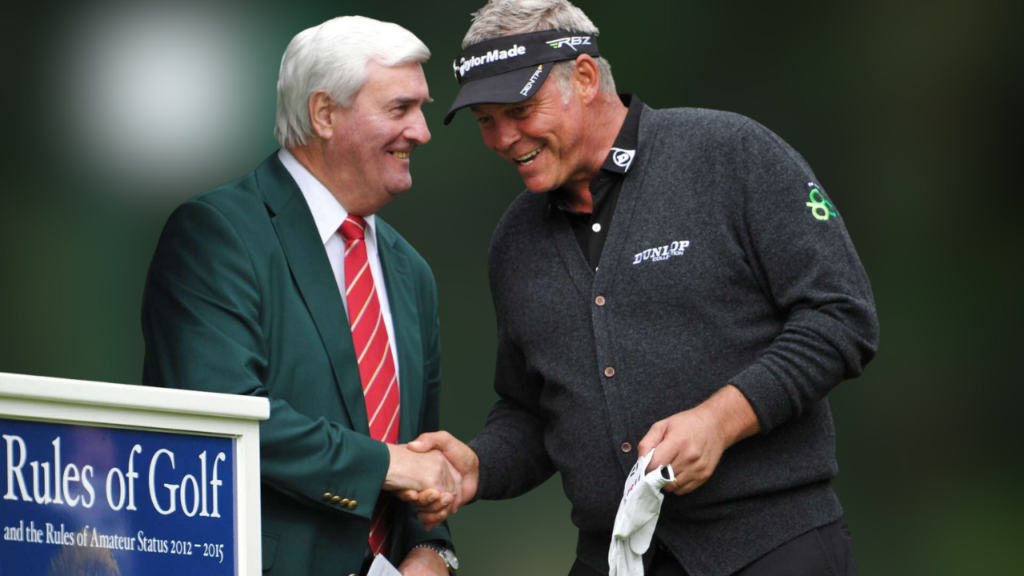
x,y
527,159
397,154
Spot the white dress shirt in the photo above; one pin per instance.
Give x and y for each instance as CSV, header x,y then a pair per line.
x,y
328,214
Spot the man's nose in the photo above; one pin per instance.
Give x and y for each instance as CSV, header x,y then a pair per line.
x,y
508,134
418,131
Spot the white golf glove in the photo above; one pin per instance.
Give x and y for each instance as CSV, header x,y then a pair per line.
x,y
637,517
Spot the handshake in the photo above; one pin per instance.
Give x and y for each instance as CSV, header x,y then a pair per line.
x,y
436,473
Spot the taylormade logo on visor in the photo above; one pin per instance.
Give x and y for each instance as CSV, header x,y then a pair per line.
x,y
467,64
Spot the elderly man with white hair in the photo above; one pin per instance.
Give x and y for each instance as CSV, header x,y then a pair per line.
x,y
674,281
283,284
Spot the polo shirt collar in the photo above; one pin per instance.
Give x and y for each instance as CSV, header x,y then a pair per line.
x,y
623,151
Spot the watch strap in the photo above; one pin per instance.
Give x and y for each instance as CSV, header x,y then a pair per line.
x,y
444,552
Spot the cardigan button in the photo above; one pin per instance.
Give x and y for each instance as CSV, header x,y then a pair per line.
x,y
352,505
344,502
336,499
609,371
599,300
626,447
328,495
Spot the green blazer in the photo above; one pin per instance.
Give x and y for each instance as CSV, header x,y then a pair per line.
x,y
241,299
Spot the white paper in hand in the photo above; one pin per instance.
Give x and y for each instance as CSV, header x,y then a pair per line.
x,y
381,567
637,517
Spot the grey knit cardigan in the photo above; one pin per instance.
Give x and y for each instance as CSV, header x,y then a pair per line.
x,y
725,262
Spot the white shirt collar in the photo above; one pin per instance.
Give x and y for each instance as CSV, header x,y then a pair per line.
x,y
328,213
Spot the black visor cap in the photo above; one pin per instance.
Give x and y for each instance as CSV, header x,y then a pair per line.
x,y
511,69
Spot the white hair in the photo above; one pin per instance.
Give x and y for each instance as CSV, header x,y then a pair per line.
x,y
333,57
507,17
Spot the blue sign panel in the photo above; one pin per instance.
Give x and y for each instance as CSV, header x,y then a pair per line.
x,y
86,500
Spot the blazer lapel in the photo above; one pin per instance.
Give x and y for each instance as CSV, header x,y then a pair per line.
x,y
311,270
406,321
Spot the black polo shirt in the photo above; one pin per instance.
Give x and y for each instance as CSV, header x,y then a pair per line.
x,y
591,228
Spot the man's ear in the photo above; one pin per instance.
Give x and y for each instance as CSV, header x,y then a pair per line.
x,y
586,78
320,114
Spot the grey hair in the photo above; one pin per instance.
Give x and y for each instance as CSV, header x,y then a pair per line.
x,y
507,17
333,57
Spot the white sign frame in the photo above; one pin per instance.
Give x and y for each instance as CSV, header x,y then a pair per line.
x,y
156,409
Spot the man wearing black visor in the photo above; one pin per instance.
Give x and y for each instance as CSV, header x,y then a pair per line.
x,y
670,278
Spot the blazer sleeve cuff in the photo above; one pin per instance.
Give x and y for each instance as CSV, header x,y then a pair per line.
x,y
355,488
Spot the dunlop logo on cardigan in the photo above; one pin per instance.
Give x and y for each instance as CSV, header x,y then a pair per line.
x,y
662,252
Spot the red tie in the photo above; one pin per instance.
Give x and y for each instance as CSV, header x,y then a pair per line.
x,y
376,364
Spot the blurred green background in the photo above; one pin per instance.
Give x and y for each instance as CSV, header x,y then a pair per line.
x,y
117,112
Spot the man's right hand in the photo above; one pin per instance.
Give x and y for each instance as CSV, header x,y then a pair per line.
x,y
432,505
423,470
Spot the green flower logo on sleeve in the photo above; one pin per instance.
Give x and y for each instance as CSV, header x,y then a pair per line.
x,y
821,208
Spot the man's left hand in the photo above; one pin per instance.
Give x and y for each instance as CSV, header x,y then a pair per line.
x,y
423,562
693,441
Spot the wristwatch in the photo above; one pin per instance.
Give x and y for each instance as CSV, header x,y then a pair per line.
x,y
447,555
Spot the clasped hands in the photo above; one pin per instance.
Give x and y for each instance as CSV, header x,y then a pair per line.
x,y
436,473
